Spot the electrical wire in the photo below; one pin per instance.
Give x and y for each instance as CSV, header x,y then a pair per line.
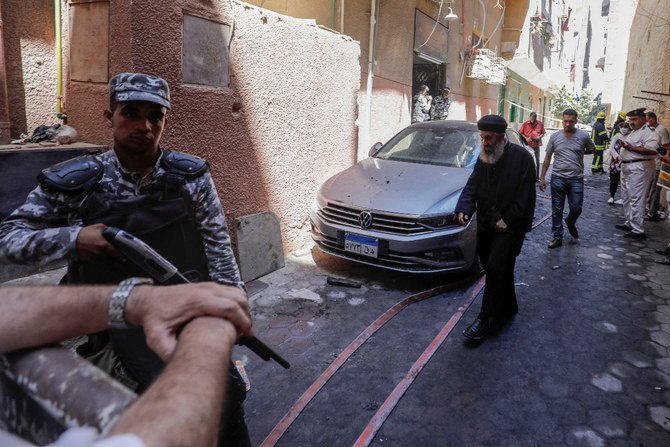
x,y
439,13
502,15
481,33
651,16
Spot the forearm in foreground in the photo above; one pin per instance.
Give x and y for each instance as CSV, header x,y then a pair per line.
x,y
183,407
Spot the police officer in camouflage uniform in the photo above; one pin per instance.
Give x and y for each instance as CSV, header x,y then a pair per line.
x,y
439,110
166,198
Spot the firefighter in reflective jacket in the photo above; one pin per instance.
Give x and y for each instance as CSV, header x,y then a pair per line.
x,y
600,138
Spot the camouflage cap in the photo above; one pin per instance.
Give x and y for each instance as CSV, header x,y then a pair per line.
x,y
126,87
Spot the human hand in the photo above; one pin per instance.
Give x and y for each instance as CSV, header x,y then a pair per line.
x,y
543,184
162,311
462,218
91,244
501,225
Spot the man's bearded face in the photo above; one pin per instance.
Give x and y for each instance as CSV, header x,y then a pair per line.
x,y
493,146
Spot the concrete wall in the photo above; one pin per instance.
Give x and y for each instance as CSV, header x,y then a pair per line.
x,y
648,66
284,125
393,55
30,63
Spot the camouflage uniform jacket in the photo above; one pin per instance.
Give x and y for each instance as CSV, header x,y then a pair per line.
x,y
45,228
440,108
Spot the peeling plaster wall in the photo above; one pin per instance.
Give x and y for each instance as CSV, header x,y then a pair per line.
x,y
30,63
286,123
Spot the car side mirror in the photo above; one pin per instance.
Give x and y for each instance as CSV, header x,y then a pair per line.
x,y
375,148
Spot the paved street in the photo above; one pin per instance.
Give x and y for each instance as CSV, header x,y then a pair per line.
x,y
586,362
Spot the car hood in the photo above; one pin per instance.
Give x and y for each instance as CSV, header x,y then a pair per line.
x,y
394,186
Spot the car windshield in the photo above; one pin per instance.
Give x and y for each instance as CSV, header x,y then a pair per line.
x,y
444,146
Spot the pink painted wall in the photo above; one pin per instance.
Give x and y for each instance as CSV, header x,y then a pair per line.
x,y
30,63
285,124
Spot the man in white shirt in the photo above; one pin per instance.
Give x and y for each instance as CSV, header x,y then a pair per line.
x,y
654,193
638,161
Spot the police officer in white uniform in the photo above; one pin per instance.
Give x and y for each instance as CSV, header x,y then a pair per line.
x,y
638,164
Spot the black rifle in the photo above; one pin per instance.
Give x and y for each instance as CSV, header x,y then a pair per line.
x,y
163,272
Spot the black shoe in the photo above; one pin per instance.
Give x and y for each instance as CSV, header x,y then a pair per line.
x,y
555,243
623,226
634,235
477,330
572,229
664,252
666,261
653,218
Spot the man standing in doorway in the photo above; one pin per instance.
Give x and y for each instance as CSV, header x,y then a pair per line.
x,y
422,103
441,104
501,189
600,138
638,162
533,131
567,177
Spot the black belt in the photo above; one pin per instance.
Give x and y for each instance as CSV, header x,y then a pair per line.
x,y
636,160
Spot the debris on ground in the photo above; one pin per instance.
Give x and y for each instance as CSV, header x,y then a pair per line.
x,y
344,282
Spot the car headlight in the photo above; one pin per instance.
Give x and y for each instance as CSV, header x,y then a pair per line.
x,y
319,202
438,222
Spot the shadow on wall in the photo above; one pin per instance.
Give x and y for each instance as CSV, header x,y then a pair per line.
x,y
212,125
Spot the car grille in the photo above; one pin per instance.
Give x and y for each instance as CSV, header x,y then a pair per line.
x,y
387,259
387,223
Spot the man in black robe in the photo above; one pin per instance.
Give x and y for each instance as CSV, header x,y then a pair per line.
x,y
501,189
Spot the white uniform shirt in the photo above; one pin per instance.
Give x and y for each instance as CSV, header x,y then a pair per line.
x,y
642,137
664,138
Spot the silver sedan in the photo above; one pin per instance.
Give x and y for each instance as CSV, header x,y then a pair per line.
x,y
395,209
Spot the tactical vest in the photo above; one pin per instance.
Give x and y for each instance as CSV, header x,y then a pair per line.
x,y
163,217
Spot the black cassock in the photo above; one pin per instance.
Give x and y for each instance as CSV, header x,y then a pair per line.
x,y
504,190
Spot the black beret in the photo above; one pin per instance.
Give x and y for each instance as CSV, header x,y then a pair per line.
x,y
637,112
492,123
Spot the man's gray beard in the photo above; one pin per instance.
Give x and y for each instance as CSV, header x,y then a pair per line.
x,y
493,157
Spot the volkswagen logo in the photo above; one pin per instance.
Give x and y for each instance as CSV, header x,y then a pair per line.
x,y
365,219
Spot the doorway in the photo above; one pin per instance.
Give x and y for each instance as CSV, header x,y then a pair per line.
x,y
427,73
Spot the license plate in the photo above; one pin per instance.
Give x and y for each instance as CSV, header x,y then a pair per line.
x,y
362,245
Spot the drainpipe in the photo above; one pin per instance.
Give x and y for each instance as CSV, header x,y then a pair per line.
x,y
332,14
5,136
342,16
371,59
59,63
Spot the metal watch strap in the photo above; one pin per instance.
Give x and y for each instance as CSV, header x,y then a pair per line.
x,y
117,304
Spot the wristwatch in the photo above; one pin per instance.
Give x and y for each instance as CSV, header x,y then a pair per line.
x,y
117,304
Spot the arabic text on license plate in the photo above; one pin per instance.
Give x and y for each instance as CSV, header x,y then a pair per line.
x,y
362,245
